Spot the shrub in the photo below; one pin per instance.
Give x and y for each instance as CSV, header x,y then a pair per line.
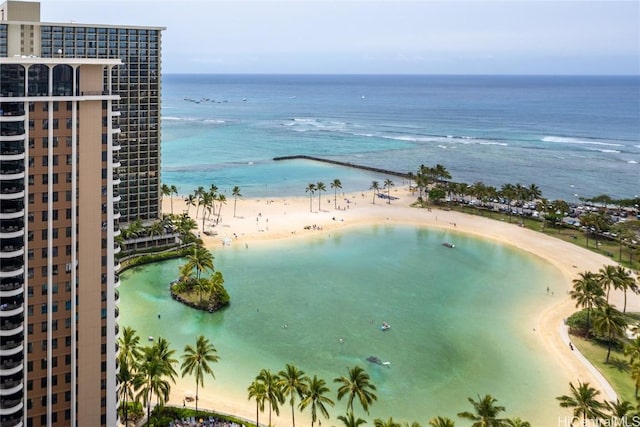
x,y
577,322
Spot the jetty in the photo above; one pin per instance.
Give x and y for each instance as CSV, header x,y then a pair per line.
x,y
346,164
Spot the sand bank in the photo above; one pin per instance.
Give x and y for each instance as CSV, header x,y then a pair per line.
x,y
259,221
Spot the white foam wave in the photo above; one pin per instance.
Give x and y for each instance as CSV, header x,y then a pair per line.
x,y
192,119
568,140
632,162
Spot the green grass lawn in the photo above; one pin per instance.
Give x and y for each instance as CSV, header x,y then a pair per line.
x,y
616,371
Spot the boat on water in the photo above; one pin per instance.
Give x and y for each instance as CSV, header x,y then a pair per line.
x,y
377,361
448,245
150,338
385,326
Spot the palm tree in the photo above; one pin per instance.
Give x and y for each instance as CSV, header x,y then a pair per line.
x,y
202,286
314,396
199,193
410,177
610,323
441,173
632,350
320,187
335,184
129,346
587,292
375,186
235,193
190,200
311,188
292,382
516,422
154,371
166,191
206,201
196,360
156,229
173,190
216,284
200,259
129,353
126,374
441,422
223,201
635,376
389,423
164,353
350,420
135,229
619,410
273,392
533,192
485,412
358,383
583,401
625,282
388,184
257,390
608,278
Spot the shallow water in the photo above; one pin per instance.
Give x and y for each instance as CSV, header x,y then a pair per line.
x,y
461,319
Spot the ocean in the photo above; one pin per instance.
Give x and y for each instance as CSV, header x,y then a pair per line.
x,y
573,136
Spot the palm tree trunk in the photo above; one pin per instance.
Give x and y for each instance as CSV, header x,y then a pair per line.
x,y
293,415
624,310
608,350
197,380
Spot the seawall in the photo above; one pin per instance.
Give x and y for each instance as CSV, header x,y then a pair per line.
x,y
346,164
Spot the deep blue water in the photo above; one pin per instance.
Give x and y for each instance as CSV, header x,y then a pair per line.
x,y
569,135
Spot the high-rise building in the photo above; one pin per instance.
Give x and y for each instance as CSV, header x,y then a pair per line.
x,y
79,143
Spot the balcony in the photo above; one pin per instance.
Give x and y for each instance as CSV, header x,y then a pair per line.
x,y
10,288
11,366
9,310
11,190
11,328
10,386
8,407
11,248
12,268
11,348
11,231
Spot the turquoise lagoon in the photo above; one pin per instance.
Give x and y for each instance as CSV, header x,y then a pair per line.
x,y
462,319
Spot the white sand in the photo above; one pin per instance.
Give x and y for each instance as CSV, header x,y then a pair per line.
x,y
261,220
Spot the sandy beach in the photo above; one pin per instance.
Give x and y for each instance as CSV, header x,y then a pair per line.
x,y
260,221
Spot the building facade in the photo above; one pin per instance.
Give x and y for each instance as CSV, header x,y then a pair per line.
x,y
137,81
79,144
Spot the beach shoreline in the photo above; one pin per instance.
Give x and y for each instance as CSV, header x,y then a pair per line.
x,y
261,221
